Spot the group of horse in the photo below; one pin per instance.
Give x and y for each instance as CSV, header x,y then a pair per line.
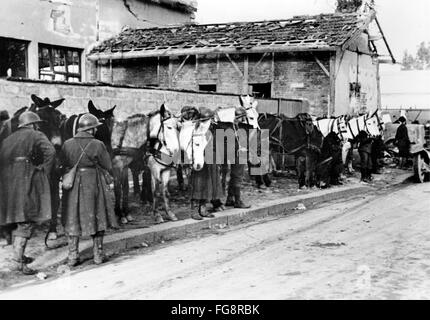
x,y
156,143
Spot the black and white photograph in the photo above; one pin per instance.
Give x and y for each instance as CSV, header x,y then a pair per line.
x,y
214,154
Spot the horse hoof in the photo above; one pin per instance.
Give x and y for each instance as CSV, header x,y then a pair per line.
x,y
124,220
159,219
129,218
172,216
52,236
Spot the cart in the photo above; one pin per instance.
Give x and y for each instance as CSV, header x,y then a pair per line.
x,y
419,135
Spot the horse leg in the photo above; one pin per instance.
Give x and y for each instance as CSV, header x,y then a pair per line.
x,y
301,168
117,191
180,178
136,185
165,177
125,193
155,181
55,204
224,171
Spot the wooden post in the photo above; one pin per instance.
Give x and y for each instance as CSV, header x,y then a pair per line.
x,y
217,73
170,73
378,85
332,94
158,71
111,71
245,75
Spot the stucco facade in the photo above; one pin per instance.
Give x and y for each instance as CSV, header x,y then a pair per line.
x,y
80,24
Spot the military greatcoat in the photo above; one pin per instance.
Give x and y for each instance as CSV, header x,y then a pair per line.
x,y
88,207
26,159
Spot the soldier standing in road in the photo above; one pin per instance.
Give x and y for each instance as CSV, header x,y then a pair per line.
x,y
365,151
237,171
26,159
88,209
402,142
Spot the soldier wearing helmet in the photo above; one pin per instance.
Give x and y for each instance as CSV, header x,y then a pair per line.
x,y
402,142
88,209
237,170
26,159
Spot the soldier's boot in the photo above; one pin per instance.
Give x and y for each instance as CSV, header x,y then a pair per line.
x,y
196,215
217,205
99,256
204,212
73,258
19,244
238,203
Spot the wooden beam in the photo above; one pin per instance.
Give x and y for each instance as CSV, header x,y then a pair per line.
x,y
170,73
332,95
217,72
322,66
385,40
180,67
234,65
272,73
259,61
245,74
158,71
202,51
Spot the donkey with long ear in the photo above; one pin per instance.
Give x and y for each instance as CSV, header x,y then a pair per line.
x,y
104,132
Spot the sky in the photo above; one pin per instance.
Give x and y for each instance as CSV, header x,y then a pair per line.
x,y
405,23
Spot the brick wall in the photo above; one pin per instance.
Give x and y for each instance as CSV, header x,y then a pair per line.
x,y
293,76
129,101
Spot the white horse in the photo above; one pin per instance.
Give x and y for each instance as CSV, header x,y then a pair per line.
x,y
129,141
348,128
163,129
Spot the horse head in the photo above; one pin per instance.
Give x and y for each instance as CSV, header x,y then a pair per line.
x,y
307,122
52,118
250,105
104,132
163,126
375,125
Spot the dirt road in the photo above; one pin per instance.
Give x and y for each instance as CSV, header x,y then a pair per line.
x,y
373,247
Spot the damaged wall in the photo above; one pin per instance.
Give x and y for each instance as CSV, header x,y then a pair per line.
x,y
292,76
357,87
73,23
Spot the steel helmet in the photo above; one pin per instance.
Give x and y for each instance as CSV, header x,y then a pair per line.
x,y
28,118
87,122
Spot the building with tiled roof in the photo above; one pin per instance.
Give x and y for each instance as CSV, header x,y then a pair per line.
x,y
329,60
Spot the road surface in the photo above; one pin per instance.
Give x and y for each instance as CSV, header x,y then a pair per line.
x,y
372,247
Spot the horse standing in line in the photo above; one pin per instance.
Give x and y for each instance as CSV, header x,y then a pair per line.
x,y
153,139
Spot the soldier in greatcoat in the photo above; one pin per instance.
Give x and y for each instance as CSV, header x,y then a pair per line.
x,y
26,159
88,208
402,142
237,171
365,151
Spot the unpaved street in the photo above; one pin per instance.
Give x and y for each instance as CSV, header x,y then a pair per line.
x,y
372,247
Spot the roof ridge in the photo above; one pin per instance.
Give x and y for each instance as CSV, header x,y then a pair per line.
x,y
340,14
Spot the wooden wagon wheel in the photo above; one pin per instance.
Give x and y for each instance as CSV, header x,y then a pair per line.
x,y
419,168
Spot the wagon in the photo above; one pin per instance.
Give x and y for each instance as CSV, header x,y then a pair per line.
x,y
420,147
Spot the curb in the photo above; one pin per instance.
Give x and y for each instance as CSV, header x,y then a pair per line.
x,y
137,238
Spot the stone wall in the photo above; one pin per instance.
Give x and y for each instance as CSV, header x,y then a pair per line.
x,y
292,75
15,94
